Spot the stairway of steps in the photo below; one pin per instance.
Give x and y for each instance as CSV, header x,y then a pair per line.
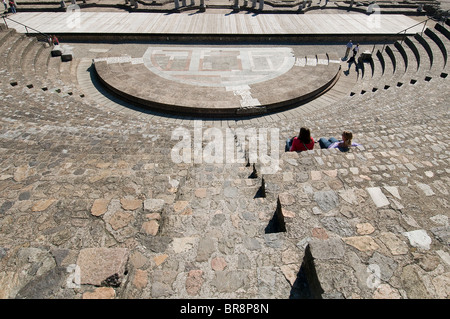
x,y
29,60
437,41
349,215
8,45
40,69
14,58
346,106
398,63
409,58
326,199
423,54
415,58
436,58
29,63
375,69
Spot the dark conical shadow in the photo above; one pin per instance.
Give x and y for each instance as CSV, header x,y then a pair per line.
x,y
276,224
261,193
307,285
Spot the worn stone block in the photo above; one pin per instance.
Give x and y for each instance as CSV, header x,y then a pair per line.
x,y
99,264
65,57
56,51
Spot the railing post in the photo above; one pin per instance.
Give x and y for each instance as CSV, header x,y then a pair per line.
x,y
384,46
404,36
26,27
423,29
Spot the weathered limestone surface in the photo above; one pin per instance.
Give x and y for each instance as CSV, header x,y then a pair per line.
x,y
93,205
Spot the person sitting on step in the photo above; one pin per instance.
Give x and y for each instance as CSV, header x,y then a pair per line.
x,y
55,40
302,142
343,145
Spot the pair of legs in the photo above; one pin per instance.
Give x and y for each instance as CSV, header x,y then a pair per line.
x,y
288,145
324,143
347,51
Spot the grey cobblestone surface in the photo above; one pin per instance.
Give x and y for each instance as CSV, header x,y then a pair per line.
x,y
93,205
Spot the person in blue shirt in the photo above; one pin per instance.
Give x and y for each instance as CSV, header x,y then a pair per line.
x,y
343,145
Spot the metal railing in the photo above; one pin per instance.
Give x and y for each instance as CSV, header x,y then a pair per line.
x,y
40,36
415,25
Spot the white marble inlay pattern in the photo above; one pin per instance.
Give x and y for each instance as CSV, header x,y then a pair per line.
x,y
219,67
120,59
244,92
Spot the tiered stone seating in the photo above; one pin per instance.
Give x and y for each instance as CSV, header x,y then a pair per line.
x,y
415,58
335,194
29,63
79,178
330,192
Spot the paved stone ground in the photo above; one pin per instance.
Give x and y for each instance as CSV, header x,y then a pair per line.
x,y
233,81
95,204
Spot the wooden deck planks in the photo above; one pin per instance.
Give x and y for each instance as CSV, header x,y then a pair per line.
x,y
158,23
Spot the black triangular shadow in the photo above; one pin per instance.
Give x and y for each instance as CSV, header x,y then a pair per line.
x,y
276,224
261,193
307,285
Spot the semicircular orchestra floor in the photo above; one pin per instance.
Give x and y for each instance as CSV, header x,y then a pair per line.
x,y
219,81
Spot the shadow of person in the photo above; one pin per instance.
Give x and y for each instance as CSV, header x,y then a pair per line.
x,y
350,62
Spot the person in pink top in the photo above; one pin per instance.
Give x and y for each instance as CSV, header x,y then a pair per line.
x,y
302,142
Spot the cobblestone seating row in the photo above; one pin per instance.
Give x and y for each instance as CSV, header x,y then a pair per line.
x,y
235,258
28,63
326,198
111,174
393,151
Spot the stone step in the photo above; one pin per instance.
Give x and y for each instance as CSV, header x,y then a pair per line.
x,y
41,64
368,130
434,53
426,64
15,66
440,42
29,59
344,106
412,55
5,34
8,46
